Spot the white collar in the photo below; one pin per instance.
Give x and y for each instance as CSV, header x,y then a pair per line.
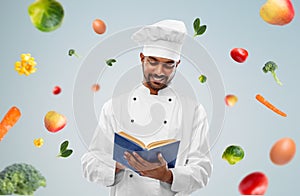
x,y
167,91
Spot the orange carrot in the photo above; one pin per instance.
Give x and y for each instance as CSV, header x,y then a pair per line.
x,y
9,120
262,100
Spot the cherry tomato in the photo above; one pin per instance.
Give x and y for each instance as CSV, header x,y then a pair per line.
x,y
95,87
99,26
56,90
255,183
239,54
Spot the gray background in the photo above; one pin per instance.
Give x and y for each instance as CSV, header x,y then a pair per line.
x,y
230,24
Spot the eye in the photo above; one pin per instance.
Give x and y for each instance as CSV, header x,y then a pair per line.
x,y
152,62
169,65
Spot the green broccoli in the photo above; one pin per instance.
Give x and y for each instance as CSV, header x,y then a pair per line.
x,y
270,66
72,52
20,178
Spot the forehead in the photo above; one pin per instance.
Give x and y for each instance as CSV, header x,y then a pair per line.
x,y
160,59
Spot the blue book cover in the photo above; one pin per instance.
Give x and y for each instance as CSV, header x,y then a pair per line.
x,y
124,142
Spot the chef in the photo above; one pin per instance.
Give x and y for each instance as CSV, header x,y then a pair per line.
x,y
177,116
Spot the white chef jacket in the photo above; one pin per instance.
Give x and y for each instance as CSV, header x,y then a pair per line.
x,y
184,120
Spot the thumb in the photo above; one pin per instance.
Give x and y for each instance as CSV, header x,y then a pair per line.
x,y
120,166
161,159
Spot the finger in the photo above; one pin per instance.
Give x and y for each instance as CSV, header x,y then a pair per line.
x,y
140,159
161,159
133,162
120,166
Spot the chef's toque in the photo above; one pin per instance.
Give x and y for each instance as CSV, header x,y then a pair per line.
x,y
163,39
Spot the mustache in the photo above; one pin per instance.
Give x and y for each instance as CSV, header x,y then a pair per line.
x,y
158,76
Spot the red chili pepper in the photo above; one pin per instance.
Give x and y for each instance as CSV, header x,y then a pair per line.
x,y
255,183
239,54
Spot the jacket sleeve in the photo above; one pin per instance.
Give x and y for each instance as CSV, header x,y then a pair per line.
x,y
197,170
98,165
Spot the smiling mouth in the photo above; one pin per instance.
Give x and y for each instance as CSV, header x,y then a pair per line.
x,y
157,80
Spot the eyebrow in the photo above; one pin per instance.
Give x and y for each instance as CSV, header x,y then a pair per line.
x,y
153,58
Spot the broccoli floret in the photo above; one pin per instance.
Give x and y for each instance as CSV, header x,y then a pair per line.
x,y
20,178
72,52
270,66
6,187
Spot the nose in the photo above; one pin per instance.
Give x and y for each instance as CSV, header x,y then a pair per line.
x,y
159,69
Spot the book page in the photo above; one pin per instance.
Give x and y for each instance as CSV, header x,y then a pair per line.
x,y
160,143
137,141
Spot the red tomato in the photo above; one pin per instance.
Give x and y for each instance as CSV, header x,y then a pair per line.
x,y
239,54
99,26
56,90
95,87
255,183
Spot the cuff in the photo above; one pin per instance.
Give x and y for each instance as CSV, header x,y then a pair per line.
x,y
181,181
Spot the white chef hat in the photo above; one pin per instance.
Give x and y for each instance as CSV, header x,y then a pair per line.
x,y
162,39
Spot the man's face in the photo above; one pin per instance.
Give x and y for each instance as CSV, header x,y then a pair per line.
x,y
158,72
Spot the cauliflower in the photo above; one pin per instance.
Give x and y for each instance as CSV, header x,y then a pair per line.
x,y
20,178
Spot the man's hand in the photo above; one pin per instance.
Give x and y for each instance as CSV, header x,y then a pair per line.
x,y
157,171
119,167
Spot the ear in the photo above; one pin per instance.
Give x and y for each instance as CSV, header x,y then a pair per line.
x,y
142,57
177,63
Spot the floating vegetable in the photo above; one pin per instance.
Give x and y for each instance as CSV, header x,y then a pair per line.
x,y
233,154
38,142
202,78
283,151
262,100
110,62
26,65
64,152
255,183
46,15
72,52
99,26
239,54
198,29
20,179
56,90
9,120
270,66
95,87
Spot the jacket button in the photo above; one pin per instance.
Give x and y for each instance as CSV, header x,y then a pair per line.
x,y
165,122
132,120
130,175
134,98
170,99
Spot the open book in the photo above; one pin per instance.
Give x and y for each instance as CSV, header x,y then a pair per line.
x,y
125,142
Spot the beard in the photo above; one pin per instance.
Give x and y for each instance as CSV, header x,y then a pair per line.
x,y
157,82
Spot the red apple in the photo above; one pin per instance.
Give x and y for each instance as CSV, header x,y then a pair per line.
x,y
54,121
231,100
277,12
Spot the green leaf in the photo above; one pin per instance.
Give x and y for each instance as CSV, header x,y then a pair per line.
x,y
66,153
201,30
110,62
196,24
64,146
